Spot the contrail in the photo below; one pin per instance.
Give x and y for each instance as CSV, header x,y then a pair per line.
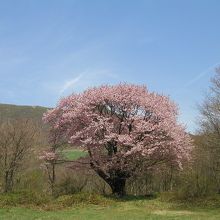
x,y
70,83
202,74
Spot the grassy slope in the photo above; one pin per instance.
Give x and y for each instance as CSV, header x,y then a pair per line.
x,y
73,154
16,112
147,209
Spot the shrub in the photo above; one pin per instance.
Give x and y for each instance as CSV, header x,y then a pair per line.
x,y
36,200
83,199
23,198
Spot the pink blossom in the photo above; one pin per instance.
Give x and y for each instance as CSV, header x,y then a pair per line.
x,y
135,123
48,156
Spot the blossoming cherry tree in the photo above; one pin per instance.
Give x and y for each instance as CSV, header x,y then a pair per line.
x,y
125,128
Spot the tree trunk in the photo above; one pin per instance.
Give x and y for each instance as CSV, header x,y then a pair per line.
x,y
8,181
6,187
53,179
118,186
117,183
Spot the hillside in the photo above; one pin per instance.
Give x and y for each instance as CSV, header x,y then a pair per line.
x,y
15,112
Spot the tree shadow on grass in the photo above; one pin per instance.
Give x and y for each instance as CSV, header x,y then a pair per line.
x,y
127,198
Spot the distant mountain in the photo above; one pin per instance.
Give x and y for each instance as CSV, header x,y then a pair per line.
x,y
8,111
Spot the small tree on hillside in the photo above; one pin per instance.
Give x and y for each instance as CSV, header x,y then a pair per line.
x,y
17,139
124,128
51,158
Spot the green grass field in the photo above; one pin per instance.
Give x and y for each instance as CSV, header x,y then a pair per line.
x,y
73,154
123,210
13,208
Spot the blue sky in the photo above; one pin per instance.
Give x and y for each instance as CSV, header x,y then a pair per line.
x,y
50,48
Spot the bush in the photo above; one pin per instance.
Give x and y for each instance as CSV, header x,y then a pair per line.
x,y
23,198
83,199
212,201
31,181
36,200
68,185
